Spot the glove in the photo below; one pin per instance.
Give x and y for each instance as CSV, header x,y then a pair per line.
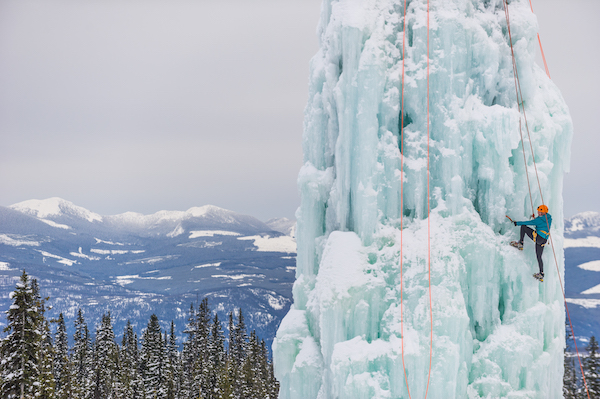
x,y
515,224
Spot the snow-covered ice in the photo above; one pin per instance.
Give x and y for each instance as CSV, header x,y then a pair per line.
x,y
497,332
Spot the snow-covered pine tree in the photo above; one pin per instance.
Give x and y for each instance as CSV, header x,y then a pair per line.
x,y
20,349
63,370
216,359
172,366
188,357
81,357
152,357
45,384
129,360
253,380
592,368
104,382
202,336
238,340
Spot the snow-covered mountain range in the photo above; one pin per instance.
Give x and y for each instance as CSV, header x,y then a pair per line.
x,y
134,265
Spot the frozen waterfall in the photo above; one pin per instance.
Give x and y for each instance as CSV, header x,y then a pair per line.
x,y
497,332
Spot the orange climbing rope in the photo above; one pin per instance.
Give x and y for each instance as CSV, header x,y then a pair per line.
x,y
520,97
541,48
402,208
429,218
402,197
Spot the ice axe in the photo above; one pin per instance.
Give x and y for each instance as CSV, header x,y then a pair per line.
x,y
512,221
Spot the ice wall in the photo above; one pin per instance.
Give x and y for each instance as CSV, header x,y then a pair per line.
x,y
497,332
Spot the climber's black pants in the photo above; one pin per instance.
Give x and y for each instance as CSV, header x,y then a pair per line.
x,y
538,244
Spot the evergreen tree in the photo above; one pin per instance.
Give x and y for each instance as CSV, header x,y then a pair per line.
x,y
129,377
20,349
202,336
216,359
63,371
81,358
570,375
591,368
172,365
104,383
188,357
152,358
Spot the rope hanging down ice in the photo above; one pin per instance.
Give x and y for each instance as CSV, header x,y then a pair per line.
x,y
521,107
402,207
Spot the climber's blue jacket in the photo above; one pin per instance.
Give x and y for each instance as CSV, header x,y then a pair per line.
x,y
541,226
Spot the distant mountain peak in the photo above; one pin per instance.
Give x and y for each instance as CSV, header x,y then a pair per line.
x,y
583,223
53,207
200,211
283,225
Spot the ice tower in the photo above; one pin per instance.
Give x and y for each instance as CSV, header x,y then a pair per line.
x,y
497,332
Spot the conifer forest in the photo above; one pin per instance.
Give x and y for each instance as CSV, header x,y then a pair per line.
x,y
37,361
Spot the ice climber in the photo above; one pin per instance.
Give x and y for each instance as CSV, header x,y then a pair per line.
x,y
539,236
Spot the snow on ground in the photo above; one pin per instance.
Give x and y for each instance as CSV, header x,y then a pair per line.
x,y
55,207
592,291
176,232
64,261
54,224
238,276
207,265
115,251
16,241
586,303
5,266
593,266
124,280
273,244
152,260
588,242
211,233
98,241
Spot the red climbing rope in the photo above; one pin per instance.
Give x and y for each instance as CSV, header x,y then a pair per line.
x,y
402,208
519,96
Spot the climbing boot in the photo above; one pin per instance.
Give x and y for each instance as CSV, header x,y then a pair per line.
x,y
516,244
539,276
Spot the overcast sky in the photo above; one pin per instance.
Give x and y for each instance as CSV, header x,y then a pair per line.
x,y
129,105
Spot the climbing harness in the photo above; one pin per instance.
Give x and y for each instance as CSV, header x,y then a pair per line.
x,y
520,103
402,208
